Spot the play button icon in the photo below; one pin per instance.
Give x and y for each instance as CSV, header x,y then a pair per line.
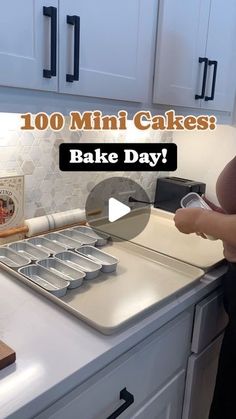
x,y
117,210
108,208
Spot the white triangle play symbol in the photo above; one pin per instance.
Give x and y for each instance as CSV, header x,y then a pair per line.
x,y
116,210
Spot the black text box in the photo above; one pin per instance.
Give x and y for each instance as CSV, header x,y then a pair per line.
x,y
118,157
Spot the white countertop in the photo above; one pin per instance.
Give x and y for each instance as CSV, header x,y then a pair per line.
x,y
56,351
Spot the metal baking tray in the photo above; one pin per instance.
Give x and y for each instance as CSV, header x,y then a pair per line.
x,y
68,243
101,239
29,251
108,262
144,281
81,237
66,272
12,259
46,245
45,279
80,262
161,235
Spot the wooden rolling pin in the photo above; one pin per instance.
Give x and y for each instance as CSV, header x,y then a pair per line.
x,y
24,229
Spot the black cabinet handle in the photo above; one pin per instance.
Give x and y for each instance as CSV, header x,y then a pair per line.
x,y
75,21
213,88
128,398
205,61
52,13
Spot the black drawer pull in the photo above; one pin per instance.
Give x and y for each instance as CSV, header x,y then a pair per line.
x,y
205,61
128,399
75,21
213,88
52,13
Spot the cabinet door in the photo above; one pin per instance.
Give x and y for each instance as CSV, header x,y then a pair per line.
x,y
143,372
114,42
201,375
25,44
167,403
209,321
181,40
220,48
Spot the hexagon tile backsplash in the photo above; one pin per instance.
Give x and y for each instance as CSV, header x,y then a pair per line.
x,y
35,154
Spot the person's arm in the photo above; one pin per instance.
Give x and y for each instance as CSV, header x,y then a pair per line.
x,y
213,206
220,226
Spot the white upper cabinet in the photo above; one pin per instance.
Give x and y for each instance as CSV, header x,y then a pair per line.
x,y
107,48
195,58
181,40
28,44
222,56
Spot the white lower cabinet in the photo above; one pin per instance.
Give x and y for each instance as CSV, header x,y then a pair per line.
x,y
200,382
148,377
209,322
167,403
169,375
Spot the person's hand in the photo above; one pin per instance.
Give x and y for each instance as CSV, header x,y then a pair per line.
x,y
201,235
185,219
213,206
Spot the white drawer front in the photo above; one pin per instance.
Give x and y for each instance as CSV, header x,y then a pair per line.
x,y
200,382
167,403
210,321
142,371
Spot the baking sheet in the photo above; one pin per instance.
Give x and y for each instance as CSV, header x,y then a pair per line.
x,y
162,236
144,279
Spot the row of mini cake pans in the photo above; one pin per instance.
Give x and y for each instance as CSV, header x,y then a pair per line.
x,y
49,244
50,262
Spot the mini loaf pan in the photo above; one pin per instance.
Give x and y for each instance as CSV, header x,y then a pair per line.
x,y
80,262
29,251
67,242
108,262
12,259
46,279
46,245
81,237
64,271
101,238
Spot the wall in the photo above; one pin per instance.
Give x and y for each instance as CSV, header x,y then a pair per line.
x,y
202,156
35,154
